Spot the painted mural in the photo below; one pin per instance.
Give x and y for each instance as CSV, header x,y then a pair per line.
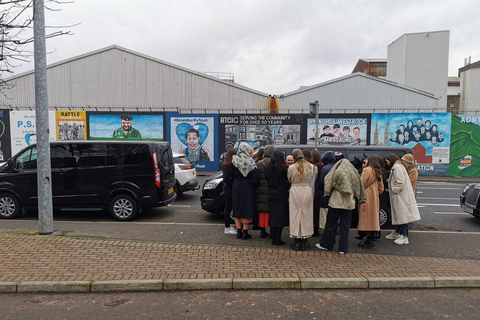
x,y
428,134
133,126
23,130
339,130
71,125
194,135
465,146
259,130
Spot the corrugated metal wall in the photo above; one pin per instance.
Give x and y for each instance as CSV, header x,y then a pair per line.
x,y
470,88
420,61
358,93
116,78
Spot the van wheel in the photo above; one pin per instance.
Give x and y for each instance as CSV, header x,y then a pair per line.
x,y
124,207
385,218
9,206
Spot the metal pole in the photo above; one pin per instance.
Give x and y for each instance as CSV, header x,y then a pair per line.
x,y
44,172
316,125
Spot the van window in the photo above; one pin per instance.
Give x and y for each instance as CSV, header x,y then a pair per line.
x,y
80,155
136,154
166,159
27,160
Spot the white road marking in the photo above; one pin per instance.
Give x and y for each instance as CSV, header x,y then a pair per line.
x,y
460,189
456,199
438,204
452,213
179,206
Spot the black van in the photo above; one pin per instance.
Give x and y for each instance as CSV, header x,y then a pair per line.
x,y
212,199
121,176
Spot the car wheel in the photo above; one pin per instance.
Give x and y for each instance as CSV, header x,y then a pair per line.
x,y
385,219
9,206
124,207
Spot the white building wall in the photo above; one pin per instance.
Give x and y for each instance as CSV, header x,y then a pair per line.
x,y
470,88
357,93
116,78
424,60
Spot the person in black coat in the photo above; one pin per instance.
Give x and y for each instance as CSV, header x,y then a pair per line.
x,y
328,160
278,186
227,170
246,179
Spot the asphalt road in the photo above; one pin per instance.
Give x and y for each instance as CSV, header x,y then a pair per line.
x,y
445,231
239,304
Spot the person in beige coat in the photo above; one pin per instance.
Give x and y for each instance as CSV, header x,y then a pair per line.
x,y
300,175
368,212
402,200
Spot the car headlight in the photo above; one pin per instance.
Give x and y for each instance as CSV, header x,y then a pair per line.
x,y
212,184
465,189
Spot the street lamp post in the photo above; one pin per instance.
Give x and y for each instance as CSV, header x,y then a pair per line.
x,y
314,110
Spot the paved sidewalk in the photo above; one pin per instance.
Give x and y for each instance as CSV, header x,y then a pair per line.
x,y
33,263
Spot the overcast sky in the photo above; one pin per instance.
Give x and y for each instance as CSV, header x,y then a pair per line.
x,y
270,46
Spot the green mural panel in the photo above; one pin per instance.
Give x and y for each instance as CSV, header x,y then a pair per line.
x,y
465,146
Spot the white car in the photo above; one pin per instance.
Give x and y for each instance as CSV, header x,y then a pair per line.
x,y
185,174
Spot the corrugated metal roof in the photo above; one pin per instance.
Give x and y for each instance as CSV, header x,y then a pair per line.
x,y
118,78
353,75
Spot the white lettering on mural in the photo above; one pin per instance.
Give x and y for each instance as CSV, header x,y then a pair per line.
x,y
426,167
469,119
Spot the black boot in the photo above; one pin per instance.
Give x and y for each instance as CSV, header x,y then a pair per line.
x,y
263,233
369,243
239,233
273,232
246,236
278,237
296,245
303,242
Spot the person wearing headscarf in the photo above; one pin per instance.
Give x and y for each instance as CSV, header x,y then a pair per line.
x,y
368,212
300,174
262,191
404,207
276,174
344,186
246,179
227,169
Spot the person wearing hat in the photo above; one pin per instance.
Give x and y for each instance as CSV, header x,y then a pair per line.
x,y
126,131
409,164
404,207
300,175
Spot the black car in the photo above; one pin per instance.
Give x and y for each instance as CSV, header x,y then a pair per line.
x,y
212,198
121,176
469,199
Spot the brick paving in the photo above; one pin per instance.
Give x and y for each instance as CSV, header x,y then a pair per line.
x,y
50,258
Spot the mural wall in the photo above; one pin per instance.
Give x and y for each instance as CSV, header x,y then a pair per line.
x,y
133,126
465,146
339,130
428,134
196,136
443,144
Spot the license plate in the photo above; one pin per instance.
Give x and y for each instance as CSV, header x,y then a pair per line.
x,y
468,210
170,190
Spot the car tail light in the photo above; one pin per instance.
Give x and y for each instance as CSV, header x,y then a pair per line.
x,y
156,170
185,166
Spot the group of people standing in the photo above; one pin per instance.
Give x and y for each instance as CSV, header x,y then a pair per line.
x,y
316,192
